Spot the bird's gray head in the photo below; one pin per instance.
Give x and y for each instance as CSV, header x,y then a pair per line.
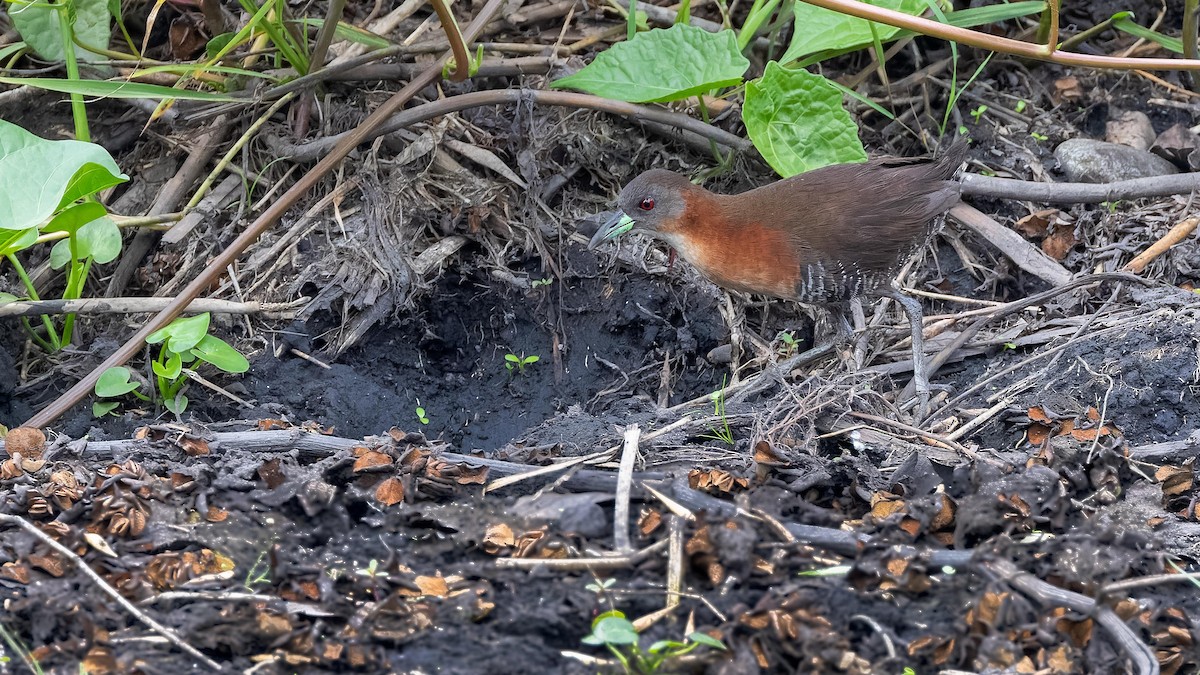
x,y
653,203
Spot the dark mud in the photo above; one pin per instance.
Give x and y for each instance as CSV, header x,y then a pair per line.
x,y
448,355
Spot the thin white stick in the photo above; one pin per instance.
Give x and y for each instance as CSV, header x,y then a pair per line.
x,y
624,488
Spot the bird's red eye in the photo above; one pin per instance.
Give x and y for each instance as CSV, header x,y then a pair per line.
x,y
647,204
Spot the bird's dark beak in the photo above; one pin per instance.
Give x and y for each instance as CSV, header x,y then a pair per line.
x,y
616,226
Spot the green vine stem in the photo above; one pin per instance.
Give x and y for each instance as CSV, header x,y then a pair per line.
x,y
66,29
54,343
462,60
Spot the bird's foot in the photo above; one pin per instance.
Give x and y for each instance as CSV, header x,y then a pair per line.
x,y
920,381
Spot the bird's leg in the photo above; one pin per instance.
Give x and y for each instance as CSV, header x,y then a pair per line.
x,y
856,352
735,320
916,324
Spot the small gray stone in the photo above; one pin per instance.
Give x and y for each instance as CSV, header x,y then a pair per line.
x,y
720,355
1130,127
1088,161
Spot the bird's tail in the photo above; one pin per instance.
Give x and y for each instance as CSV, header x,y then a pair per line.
x,y
949,162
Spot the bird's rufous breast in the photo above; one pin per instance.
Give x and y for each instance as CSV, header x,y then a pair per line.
x,y
733,249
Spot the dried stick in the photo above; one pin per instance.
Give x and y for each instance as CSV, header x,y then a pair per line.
x,y
1079,193
1025,255
144,305
1173,236
317,149
624,488
1046,52
582,564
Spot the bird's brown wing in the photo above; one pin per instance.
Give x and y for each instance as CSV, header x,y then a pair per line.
x,y
869,214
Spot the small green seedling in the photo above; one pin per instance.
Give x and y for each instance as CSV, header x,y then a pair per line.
x,y
1021,105
518,363
114,383
599,586
790,344
978,112
722,433
421,414
473,62
612,630
372,571
1010,345
259,572
538,283
1039,137
184,341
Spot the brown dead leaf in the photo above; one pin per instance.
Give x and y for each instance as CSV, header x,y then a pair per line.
x,y
273,424
988,608
50,564
390,492
435,586
173,568
216,515
332,651
471,475
314,428
527,543
1059,244
18,572
272,625
765,454
99,661
715,480
700,542
1037,434
1079,632
1038,414
884,505
1088,435
372,460
497,538
945,515
1066,89
1058,660
10,469
760,655
271,473
1175,480
648,521
1018,504
1036,224
187,36
193,447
